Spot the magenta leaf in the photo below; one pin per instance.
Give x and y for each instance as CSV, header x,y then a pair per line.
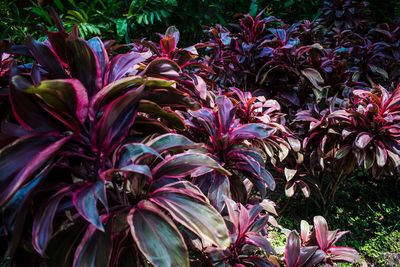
x,y
362,140
321,232
181,165
123,64
292,249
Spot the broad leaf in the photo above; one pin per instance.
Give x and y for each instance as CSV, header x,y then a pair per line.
x,y
171,141
181,165
191,209
85,201
84,64
321,232
157,236
292,249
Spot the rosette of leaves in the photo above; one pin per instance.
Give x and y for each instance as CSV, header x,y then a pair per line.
x,y
249,244
228,141
252,109
371,127
193,77
316,245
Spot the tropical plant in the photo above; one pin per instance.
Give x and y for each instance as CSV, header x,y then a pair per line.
x,y
248,233
224,139
316,246
74,147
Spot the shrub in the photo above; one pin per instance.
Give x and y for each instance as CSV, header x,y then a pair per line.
x,y
152,154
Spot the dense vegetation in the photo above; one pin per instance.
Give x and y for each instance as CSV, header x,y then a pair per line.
x,y
232,147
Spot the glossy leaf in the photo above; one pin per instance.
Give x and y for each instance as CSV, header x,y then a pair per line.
x,y
190,208
157,236
183,164
22,159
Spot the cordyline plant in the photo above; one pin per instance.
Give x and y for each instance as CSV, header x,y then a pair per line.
x,y
316,245
248,232
361,133
79,142
224,137
155,157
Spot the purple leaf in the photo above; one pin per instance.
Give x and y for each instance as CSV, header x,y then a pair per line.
x,y
171,141
132,152
46,58
321,232
15,210
314,77
362,140
226,113
219,191
174,32
116,120
123,64
166,115
162,68
280,34
181,165
249,131
84,64
344,254
381,153
317,258
292,249
22,159
26,109
98,48
58,41
305,254
64,96
157,236
42,228
259,241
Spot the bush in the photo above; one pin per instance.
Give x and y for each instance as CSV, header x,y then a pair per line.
x,y
152,154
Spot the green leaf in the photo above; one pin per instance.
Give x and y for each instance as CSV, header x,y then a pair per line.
x,y
169,116
191,208
156,236
171,141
